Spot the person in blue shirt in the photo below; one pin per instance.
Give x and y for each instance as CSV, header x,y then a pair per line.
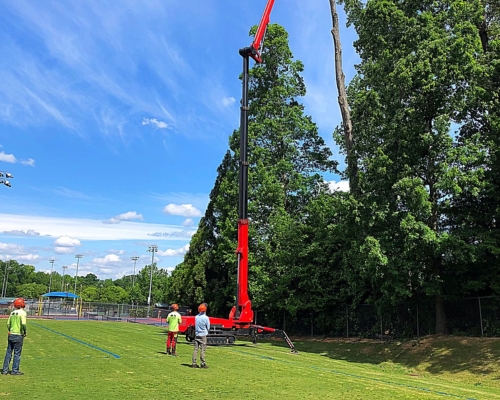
x,y
202,326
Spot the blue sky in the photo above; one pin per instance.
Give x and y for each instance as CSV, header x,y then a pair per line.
x,y
114,116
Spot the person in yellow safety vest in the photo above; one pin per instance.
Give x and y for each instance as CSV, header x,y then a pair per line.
x,y
17,332
174,319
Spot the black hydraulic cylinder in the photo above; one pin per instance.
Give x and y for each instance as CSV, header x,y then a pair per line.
x,y
243,172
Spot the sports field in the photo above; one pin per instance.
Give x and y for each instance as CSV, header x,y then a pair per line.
x,y
118,360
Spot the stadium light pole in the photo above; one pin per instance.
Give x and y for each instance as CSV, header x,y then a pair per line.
x,y
51,261
78,256
134,259
4,175
64,273
152,249
5,278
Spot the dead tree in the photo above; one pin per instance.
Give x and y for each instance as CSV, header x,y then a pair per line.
x,y
352,162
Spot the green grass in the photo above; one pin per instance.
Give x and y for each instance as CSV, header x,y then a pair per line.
x,y
60,363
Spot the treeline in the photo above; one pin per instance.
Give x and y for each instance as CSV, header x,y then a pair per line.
x,y
420,222
23,281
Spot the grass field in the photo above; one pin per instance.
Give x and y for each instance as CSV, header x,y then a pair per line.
x,y
117,360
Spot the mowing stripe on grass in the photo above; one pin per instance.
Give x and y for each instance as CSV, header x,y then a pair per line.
x,y
76,340
440,393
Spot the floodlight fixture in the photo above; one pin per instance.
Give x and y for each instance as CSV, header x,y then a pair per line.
x,y
5,182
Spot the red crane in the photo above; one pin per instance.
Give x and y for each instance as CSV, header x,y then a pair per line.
x,y
240,321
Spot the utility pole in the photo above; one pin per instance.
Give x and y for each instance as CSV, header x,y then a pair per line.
x,y
64,273
78,256
152,249
51,261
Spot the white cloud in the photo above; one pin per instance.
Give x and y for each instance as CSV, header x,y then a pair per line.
x,y
10,158
185,210
341,186
29,162
228,101
29,232
13,251
10,248
188,222
28,257
106,270
128,216
198,200
113,251
63,250
109,259
174,252
186,234
153,121
91,229
66,241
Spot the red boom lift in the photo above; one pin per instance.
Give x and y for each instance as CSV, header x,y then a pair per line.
x,y
240,321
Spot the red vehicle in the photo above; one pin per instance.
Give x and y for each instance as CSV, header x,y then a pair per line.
x,y
240,321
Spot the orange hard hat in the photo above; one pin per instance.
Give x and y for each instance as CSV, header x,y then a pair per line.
x,y
175,307
202,307
19,303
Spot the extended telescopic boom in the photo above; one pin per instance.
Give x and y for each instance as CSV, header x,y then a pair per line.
x,y
255,49
243,311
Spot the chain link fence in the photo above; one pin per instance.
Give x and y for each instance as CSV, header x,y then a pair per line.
x,y
475,316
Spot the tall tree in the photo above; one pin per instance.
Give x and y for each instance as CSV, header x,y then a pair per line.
x,y
417,61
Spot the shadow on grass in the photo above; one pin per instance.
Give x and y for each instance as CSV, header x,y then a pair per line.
x,y
433,354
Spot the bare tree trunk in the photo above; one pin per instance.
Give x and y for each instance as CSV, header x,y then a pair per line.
x,y
441,328
352,162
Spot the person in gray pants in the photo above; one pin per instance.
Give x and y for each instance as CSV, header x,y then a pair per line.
x,y
202,326
16,326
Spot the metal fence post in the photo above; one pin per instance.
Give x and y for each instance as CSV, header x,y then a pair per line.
x,y
347,319
312,325
480,316
418,331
